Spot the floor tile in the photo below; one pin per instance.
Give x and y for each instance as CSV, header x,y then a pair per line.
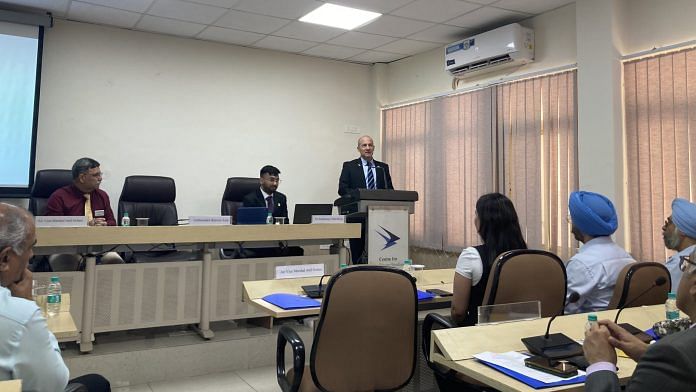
x,y
218,382
133,388
261,379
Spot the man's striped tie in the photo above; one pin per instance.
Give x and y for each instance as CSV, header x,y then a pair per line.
x,y
370,177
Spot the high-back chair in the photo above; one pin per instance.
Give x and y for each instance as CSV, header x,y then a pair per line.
x,y
634,279
365,339
149,197
235,190
46,182
528,275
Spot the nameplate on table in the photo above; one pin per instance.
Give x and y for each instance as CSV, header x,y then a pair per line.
x,y
61,221
328,219
298,271
210,220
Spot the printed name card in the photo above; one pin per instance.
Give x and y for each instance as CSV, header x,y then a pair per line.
x,y
298,271
328,219
61,221
210,220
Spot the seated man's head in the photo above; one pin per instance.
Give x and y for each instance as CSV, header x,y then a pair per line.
x,y
17,238
679,230
87,175
592,215
686,289
270,179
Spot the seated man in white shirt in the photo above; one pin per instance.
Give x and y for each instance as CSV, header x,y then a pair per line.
x,y
679,233
593,271
28,350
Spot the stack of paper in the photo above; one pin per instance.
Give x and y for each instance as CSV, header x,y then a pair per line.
x,y
512,364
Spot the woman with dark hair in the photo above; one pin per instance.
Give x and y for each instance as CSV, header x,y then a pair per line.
x,y
499,228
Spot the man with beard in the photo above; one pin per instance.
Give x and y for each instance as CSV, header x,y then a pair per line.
x,y
679,233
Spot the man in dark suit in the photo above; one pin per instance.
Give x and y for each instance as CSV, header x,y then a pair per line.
x,y
363,173
267,195
668,365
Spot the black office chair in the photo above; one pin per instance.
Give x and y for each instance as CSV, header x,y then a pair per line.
x,y
151,197
46,182
235,190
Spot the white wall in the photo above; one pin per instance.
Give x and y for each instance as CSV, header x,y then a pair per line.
x,y
199,112
647,24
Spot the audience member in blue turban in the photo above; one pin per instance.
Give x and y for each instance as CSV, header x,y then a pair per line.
x,y
593,271
679,233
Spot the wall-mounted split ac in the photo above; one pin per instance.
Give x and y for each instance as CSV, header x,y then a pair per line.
x,y
504,47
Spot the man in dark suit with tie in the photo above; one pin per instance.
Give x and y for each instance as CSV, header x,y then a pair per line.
x,y
668,365
363,173
267,195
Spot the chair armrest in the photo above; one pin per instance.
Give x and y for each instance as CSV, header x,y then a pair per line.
x,y
430,319
288,335
75,387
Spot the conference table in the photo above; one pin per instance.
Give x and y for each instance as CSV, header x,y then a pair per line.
x,y
254,291
11,386
454,348
62,324
129,296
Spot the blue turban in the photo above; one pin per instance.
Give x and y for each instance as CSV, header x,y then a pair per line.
x,y
592,213
684,216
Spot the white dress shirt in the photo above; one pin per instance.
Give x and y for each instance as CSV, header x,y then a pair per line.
x,y
470,265
592,273
28,350
672,265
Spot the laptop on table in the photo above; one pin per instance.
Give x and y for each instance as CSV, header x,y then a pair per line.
x,y
304,212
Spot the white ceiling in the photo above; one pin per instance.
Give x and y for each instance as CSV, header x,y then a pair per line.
x,y
408,27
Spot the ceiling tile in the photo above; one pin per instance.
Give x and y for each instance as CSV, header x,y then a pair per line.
x,y
394,26
251,22
532,6
190,12
284,44
290,9
219,3
381,6
332,51
373,56
229,36
435,10
58,7
408,46
308,32
102,15
356,39
487,16
128,5
442,33
169,26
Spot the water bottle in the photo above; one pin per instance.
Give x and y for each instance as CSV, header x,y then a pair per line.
x,y
269,219
125,221
342,266
53,299
671,310
408,266
591,320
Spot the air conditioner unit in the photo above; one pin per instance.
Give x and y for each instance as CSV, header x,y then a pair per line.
x,y
504,47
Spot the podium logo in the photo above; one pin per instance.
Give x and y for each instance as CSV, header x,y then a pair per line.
x,y
389,238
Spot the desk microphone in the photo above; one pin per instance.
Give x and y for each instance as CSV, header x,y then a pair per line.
x,y
555,345
658,282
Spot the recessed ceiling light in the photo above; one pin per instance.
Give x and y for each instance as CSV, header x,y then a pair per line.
x,y
339,16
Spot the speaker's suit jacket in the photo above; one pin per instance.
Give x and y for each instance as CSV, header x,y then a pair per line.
x,y
353,176
668,365
255,199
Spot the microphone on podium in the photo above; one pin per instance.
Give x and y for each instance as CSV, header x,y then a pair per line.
x,y
555,345
384,176
629,327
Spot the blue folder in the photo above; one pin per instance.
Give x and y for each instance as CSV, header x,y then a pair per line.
x,y
291,301
536,384
423,295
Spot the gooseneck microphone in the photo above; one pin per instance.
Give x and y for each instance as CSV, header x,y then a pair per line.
x,y
658,282
384,176
555,345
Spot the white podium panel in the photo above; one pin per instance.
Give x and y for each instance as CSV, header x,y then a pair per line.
x,y
387,235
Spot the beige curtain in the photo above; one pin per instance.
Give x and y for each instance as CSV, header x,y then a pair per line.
x,y
537,137
660,112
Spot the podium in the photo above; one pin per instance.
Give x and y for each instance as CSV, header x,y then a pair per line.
x,y
386,223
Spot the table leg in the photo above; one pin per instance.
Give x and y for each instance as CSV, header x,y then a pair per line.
x,y
87,334
203,328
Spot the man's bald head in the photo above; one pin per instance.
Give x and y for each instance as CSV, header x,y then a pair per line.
x,y
366,147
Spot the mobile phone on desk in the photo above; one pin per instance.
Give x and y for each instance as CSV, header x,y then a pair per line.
x,y
556,367
644,337
441,293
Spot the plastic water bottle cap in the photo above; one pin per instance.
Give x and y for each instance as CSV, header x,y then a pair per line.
x,y
125,214
671,295
55,279
591,317
343,266
408,261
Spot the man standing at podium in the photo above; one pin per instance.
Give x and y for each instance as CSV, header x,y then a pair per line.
x,y
363,173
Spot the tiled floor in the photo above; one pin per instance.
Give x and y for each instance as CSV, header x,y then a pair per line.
x,y
250,380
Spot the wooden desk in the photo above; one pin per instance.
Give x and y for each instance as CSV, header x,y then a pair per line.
x,y
62,325
254,291
196,275
11,386
454,348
